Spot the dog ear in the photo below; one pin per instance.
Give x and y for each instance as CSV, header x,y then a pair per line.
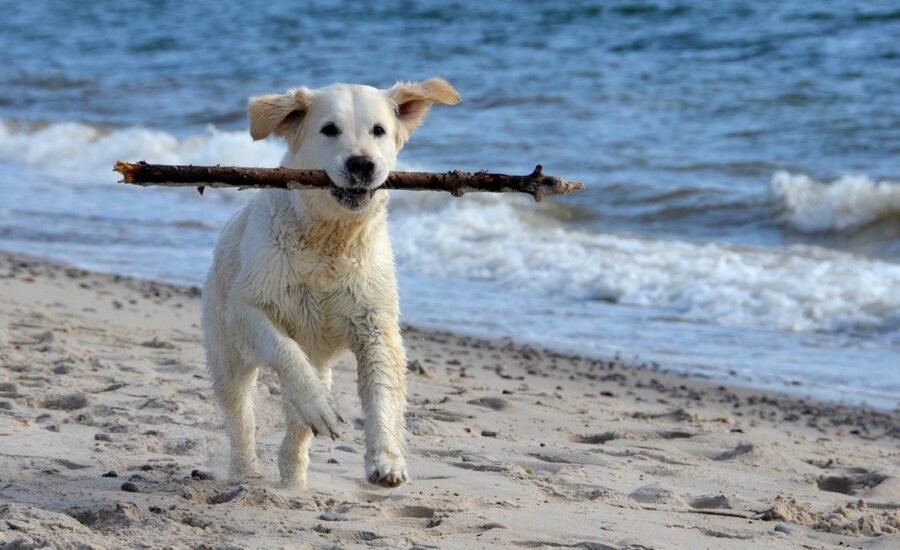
x,y
414,99
278,114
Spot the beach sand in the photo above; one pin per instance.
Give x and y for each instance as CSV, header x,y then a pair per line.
x,y
110,438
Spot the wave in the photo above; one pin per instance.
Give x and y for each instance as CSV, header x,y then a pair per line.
x,y
847,203
796,288
70,151
510,242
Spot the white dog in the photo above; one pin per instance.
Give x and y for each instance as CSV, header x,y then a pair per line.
x,y
300,277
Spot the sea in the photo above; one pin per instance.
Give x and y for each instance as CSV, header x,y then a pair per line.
x,y
742,161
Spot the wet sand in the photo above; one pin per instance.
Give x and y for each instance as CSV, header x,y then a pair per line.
x,y
109,438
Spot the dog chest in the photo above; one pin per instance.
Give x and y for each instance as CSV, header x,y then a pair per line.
x,y
319,273
307,318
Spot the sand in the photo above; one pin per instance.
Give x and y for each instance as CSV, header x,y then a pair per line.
x,y
109,438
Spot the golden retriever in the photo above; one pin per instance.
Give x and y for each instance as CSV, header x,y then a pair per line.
x,y
300,277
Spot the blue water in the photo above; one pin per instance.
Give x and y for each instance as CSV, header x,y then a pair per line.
x,y
742,212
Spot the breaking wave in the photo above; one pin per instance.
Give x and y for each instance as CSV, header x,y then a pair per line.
x,y
76,151
847,203
796,288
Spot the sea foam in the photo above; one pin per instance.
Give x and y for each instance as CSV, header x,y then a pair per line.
x,y
846,203
76,151
795,288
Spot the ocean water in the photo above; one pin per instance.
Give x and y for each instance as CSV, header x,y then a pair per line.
x,y
742,217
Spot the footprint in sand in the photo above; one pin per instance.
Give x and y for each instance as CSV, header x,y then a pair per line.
x,y
426,422
565,456
657,494
863,483
493,403
676,415
70,402
675,434
475,467
742,449
216,494
105,518
769,455
709,502
417,512
156,343
596,439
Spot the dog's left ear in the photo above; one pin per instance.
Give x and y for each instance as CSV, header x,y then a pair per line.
x,y
279,114
414,99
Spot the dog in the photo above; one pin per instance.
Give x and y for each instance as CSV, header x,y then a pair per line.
x,y
301,276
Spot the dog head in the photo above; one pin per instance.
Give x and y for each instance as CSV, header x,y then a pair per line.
x,y
352,132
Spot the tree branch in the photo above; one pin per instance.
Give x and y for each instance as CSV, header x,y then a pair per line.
x,y
536,184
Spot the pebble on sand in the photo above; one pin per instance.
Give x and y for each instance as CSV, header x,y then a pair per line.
x,y
202,476
156,343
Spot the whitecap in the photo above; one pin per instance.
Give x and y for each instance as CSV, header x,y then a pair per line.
x,y
70,151
799,288
846,203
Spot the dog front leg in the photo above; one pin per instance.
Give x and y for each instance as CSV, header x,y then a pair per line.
x,y
306,398
381,382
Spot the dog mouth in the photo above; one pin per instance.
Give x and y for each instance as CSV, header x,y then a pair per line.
x,y
352,198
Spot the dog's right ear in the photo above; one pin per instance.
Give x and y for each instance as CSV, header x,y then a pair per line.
x,y
278,114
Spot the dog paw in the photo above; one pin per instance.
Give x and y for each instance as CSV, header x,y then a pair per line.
x,y
322,417
293,483
244,468
387,472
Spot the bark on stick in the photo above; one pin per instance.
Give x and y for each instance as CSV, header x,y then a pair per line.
x,y
536,184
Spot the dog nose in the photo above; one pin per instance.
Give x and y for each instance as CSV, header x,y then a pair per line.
x,y
361,167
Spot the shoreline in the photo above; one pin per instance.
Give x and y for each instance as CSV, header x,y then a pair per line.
x,y
510,444
745,388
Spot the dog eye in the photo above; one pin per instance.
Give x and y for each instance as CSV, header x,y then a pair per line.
x,y
378,130
330,130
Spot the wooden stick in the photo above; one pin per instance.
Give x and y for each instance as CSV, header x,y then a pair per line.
x,y
536,184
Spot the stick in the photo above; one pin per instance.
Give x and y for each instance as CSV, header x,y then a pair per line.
x,y
455,182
